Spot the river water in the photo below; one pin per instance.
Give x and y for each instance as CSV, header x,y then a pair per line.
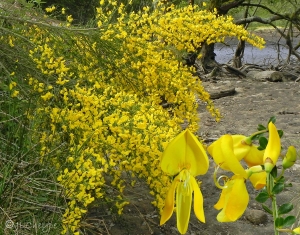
x,y
267,56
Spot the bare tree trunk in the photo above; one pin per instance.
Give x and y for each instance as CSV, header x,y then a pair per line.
x,y
238,55
239,52
208,57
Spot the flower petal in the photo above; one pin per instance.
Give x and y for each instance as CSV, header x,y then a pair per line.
x,y
169,203
240,148
254,157
225,193
185,151
198,201
183,205
221,202
273,147
234,200
238,200
258,180
196,155
230,158
215,151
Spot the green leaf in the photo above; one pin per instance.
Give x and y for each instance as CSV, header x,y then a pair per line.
x,y
289,221
285,208
256,137
280,180
272,119
260,148
274,172
279,222
278,188
263,142
267,209
261,127
262,197
280,133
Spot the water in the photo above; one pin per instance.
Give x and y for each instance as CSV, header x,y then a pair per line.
x,y
252,55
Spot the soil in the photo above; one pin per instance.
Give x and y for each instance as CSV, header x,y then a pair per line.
x,y
253,103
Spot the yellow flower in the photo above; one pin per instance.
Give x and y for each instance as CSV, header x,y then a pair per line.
x,y
222,152
70,18
243,149
12,85
186,157
15,93
233,200
234,197
273,148
258,177
50,9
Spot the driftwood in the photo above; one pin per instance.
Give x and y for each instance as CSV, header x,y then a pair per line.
x,y
222,93
216,94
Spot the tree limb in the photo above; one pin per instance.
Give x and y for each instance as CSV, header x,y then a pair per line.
x,y
226,7
258,19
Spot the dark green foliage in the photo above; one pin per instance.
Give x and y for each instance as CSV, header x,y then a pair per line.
x,y
285,208
81,10
262,197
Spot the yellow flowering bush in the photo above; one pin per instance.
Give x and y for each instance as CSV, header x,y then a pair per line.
x,y
99,95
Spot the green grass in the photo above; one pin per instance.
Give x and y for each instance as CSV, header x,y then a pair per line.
x,y
30,198
29,195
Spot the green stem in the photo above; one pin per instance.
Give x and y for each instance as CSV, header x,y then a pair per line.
x,y
270,185
281,174
258,132
248,139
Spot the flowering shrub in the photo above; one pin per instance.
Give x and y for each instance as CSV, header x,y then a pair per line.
x,y
99,94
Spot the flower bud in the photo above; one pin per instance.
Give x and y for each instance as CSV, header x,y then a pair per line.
x,y
254,169
290,158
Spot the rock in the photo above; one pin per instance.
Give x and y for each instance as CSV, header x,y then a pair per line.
x,y
256,216
272,76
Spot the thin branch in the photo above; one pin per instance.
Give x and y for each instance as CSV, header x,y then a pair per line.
x,y
259,19
266,8
226,7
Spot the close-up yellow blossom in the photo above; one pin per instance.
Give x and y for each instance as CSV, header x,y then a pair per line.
x,y
186,157
234,197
